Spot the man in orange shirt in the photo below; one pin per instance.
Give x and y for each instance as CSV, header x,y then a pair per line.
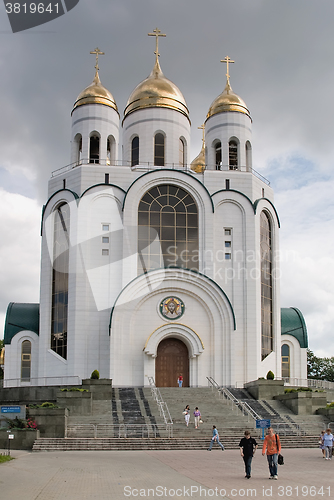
x,y
273,447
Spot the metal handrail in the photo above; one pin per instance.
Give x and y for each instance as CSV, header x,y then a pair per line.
x,y
120,430
162,405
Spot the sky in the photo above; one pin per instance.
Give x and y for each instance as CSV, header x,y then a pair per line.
x,y
284,71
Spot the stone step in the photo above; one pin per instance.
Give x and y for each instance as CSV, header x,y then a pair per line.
x,y
45,444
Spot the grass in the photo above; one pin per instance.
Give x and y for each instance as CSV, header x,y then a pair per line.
x,y
5,458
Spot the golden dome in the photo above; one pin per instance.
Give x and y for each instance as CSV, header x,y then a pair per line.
x,y
95,93
228,101
156,92
198,164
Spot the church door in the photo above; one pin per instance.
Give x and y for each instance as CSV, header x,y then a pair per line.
x,y
171,361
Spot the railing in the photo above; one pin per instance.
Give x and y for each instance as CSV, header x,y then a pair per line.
x,y
41,381
236,403
99,431
148,166
163,408
299,382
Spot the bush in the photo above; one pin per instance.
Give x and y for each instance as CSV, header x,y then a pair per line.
x,y
289,391
330,405
17,423
74,389
270,375
95,375
48,405
300,389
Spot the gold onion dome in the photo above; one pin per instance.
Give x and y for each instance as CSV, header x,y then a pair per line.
x,y
198,164
228,101
156,91
95,93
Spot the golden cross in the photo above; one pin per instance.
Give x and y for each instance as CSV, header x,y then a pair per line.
x,y
156,33
202,127
98,53
227,60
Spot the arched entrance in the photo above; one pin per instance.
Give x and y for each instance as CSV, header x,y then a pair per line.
x,y
171,361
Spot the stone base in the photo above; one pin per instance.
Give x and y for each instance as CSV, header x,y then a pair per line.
x,y
303,403
265,389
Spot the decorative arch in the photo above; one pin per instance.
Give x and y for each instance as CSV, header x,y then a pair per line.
x,y
182,152
218,154
233,153
248,150
78,148
111,150
176,330
94,147
159,149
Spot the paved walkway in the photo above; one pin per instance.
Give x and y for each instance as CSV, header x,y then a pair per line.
x,y
119,475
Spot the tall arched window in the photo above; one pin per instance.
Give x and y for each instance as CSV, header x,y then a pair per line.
x,y
248,155
110,150
60,280
218,155
159,150
135,151
266,285
233,154
94,149
167,229
285,351
26,360
78,142
181,153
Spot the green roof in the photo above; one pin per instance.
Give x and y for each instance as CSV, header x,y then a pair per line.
x,y
21,317
293,323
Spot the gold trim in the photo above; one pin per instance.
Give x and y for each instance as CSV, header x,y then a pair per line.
x,y
172,324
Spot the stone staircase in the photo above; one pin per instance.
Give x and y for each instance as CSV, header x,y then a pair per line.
x,y
133,413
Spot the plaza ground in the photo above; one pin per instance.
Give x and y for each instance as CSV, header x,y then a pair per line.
x,y
162,474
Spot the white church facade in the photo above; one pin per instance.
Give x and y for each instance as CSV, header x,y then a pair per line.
x,y
152,265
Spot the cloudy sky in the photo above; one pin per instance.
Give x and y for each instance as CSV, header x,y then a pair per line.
x,y
284,70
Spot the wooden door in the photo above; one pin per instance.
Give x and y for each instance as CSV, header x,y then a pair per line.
x,y
171,361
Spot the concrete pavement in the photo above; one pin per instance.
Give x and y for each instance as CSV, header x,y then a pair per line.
x,y
162,474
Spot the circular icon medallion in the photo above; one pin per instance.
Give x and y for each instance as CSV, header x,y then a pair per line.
x,y
172,308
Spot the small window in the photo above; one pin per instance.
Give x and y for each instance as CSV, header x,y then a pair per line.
x,y
262,192
227,183
25,360
181,153
233,155
228,232
106,178
64,183
105,227
135,151
105,251
218,151
227,244
159,150
105,239
227,256
94,149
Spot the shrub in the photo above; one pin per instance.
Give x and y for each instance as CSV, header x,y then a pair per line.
x,y
17,423
270,375
330,405
48,405
289,391
31,424
95,375
74,389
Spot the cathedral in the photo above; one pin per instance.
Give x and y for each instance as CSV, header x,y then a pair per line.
x,y
154,264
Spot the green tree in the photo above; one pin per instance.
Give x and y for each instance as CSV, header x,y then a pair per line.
x,y
320,368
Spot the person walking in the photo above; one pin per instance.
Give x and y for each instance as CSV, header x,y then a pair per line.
x,y
180,380
272,444
328,443
247,446
321,444
215,437
197,415
186,413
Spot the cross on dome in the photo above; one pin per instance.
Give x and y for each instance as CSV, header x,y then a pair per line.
x,y
98,53
227,60
156,33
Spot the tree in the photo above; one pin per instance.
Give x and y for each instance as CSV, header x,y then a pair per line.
x,y
320,368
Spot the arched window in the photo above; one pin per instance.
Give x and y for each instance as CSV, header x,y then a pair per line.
x,y
248,155
25,360
266,286
167,229
181,153
94,149
233,154
78,142
285,351
218,153
110,150
135,151
159,150
60,280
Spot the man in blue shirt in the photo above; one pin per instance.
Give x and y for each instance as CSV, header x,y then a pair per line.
x,y
215,437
